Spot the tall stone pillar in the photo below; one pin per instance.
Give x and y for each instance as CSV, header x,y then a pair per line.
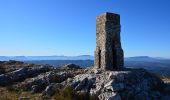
x,y
109,53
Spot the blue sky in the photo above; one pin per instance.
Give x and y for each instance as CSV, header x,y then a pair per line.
x,y
67,27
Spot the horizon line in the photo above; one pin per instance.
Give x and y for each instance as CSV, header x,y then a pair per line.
x,y
72,56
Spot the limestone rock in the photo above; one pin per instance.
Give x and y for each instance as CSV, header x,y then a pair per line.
x,y
71,66
109,96
52,89
44,81
81,83
125,84
39,83
21,74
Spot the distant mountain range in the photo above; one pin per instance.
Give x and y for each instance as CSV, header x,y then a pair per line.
x,y
26,58
81,57
145,58
160,66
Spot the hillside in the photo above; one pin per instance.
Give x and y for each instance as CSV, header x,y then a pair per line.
x,y
22,80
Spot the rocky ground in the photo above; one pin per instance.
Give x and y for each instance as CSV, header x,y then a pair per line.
x,y
91,83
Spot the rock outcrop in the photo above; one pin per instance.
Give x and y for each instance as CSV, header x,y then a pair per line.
x,y
71,66
21,74
117,85
128,84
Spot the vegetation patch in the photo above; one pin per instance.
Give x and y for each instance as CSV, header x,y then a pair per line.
x,y
69,94
14,95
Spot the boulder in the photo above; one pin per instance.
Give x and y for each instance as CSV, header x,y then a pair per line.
x,y
81,83
52,89
71,66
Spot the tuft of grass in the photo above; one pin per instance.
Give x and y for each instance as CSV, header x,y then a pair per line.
x,y
69,94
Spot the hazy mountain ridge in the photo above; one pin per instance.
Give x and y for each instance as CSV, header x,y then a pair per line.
x,y
24,58
80,57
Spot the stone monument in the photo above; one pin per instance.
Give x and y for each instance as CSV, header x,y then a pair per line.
x,y
109,53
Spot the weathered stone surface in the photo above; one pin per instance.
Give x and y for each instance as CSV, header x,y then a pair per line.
x,y
108,53
81,83
39,83
109,96
21,74
116,85
71,66
52,89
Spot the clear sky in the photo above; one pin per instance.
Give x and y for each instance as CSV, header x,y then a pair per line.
x,y
67,27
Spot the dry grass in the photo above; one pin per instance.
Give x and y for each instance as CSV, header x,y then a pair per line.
x,y
12,95
65,94
69,94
